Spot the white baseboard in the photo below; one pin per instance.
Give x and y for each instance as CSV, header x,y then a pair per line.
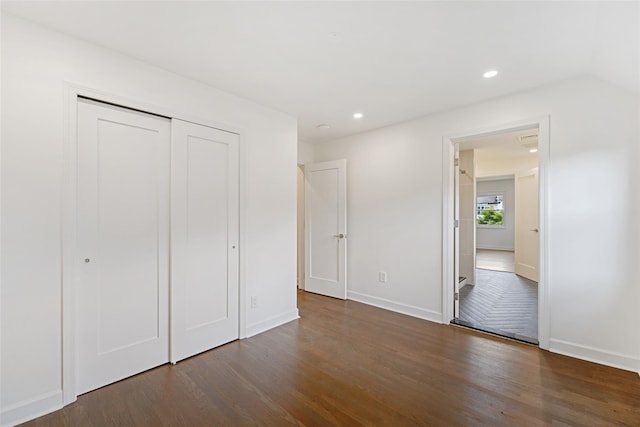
x,y
31,408
596,355
398,307
270,323
494,248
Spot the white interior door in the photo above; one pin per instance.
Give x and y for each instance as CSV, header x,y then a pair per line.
x,y
123,242
527,244
326,228
204,238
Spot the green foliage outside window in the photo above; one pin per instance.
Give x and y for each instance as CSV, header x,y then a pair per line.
x,y
490,216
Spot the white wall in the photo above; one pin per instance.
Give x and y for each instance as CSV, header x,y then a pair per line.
x,y
489,164
305,152
496,237
395,205
36,63
305,155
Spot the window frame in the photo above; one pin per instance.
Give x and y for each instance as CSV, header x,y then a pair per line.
x,y
503,211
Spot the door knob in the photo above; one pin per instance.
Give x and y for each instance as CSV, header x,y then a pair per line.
x,y
534,229
340,236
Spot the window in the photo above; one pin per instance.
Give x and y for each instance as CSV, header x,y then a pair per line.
x,y
490,209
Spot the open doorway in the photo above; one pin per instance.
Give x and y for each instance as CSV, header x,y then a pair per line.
x,y
300,232
322,228
497,248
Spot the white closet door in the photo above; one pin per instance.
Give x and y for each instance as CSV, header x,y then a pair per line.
x,y
204,238
123,241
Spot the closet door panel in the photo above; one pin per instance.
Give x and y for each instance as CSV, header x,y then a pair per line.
x,y
204,239
207,233
123,242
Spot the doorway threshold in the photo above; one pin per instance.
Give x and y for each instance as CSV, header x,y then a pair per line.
x,y
497,332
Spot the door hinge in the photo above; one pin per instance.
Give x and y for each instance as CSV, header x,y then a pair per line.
x,y
456,162
456,223
456,296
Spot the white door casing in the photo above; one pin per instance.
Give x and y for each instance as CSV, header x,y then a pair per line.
x,y
527,246
326,228
122,325
448,151
456,232
204,238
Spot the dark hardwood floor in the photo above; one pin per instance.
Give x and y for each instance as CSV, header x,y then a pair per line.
x,y
345,363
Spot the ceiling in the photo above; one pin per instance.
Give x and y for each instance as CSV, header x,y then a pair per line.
x,y
504,146
392,61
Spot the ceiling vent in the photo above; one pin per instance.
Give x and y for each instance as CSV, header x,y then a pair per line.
x,y
531,138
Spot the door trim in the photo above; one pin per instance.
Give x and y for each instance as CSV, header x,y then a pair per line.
x,y
448,149
68,242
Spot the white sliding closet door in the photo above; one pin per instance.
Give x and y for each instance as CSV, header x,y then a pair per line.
x,y
204,238
123,243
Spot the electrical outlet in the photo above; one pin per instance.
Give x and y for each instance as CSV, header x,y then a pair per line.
x,y
254,301
382,276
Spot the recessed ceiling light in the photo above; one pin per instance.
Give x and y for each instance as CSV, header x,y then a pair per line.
x,y
323,126
533,150
489,74
358,115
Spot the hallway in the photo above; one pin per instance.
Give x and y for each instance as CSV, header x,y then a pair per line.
x,y
489,259
502,303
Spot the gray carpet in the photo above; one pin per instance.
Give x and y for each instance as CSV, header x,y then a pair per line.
x,y
502,303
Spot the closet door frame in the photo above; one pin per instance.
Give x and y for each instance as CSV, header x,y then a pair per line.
x,y
69,277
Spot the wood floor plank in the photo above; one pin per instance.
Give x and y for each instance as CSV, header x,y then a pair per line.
x,y
348,364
